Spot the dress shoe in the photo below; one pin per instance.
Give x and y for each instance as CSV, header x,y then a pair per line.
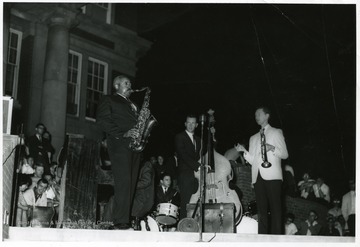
x,y
121,226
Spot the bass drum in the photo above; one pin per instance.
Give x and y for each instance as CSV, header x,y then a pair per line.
x,y
167,214
150,224
247,225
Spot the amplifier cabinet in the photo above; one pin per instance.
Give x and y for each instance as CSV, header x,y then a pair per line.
x,y
218,217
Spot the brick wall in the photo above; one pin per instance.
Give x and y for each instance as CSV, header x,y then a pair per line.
x,y
298,206
9,143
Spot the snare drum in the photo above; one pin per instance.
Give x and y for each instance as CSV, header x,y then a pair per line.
x,y
167,214
150,224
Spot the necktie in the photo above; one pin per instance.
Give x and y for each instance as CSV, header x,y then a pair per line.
x,y
194,142
133,106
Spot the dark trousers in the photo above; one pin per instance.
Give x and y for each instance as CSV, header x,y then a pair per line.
x,y
351,224
268,198
188,185
125,168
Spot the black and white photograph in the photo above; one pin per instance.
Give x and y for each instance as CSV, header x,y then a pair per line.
x,y
133,122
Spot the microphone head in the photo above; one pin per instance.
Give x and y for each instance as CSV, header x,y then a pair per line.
x,y
202,118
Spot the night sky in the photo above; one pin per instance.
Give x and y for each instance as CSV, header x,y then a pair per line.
x,y
297,59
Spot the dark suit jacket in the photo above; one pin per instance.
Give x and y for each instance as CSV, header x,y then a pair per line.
x,y
115,116
144,195
170,195
38,149
187,156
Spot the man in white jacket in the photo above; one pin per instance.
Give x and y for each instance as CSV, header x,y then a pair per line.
x,y
267,181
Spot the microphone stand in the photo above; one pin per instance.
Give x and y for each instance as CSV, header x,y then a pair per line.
x,y
202,182
16,173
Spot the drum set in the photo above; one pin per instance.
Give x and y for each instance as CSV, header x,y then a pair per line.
x,y
166,216
164,219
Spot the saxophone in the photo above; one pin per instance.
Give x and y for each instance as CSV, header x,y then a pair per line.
x,y
144,124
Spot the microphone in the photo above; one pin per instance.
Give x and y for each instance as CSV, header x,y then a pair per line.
x,y
202,119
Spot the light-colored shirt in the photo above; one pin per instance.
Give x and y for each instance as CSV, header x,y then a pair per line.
x,y
290,229
348,204
191,135
29,199
27,169
50,193
324,189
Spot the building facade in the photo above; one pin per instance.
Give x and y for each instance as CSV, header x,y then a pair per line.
x,y
60,58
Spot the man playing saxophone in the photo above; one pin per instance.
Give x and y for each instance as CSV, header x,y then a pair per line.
x,y
117,116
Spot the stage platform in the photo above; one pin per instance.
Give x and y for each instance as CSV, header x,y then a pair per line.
x,y
90,235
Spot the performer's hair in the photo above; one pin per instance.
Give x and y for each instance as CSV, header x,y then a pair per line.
x,y
119,78
265,109
191,116
164,175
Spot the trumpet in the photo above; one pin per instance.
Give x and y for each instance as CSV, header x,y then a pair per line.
x,y
266,163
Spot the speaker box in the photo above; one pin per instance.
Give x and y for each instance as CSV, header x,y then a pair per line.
x,y
218,217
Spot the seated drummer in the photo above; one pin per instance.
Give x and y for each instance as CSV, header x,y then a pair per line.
x,y
165,193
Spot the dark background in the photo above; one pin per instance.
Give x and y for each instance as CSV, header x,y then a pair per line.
x,y
300,60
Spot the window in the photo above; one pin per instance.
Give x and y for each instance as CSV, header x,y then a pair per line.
x,y
74,80
13,62
96,85
99,11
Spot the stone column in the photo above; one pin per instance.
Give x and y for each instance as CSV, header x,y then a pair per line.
x,y
54,93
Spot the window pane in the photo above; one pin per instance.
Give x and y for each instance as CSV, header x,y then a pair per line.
x,y
12,56
70,61
101,85
96,69
90,67
76,62
14,40
102,71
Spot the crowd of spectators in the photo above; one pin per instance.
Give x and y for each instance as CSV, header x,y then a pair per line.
x,y
341,213
38,177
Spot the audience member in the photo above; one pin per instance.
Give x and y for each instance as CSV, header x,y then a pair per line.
x,y
144,194
56,172
321,191
47,144
34,197
37,147
289,184
310,226
348,208
172,166
21,211
336,213
290,227
305,185
52,193
27,165
330,229
39,171
159,167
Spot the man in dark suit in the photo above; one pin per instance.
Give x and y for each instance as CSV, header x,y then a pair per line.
x,y
267,181
117,116
187,147
37,147
165,193
144,194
